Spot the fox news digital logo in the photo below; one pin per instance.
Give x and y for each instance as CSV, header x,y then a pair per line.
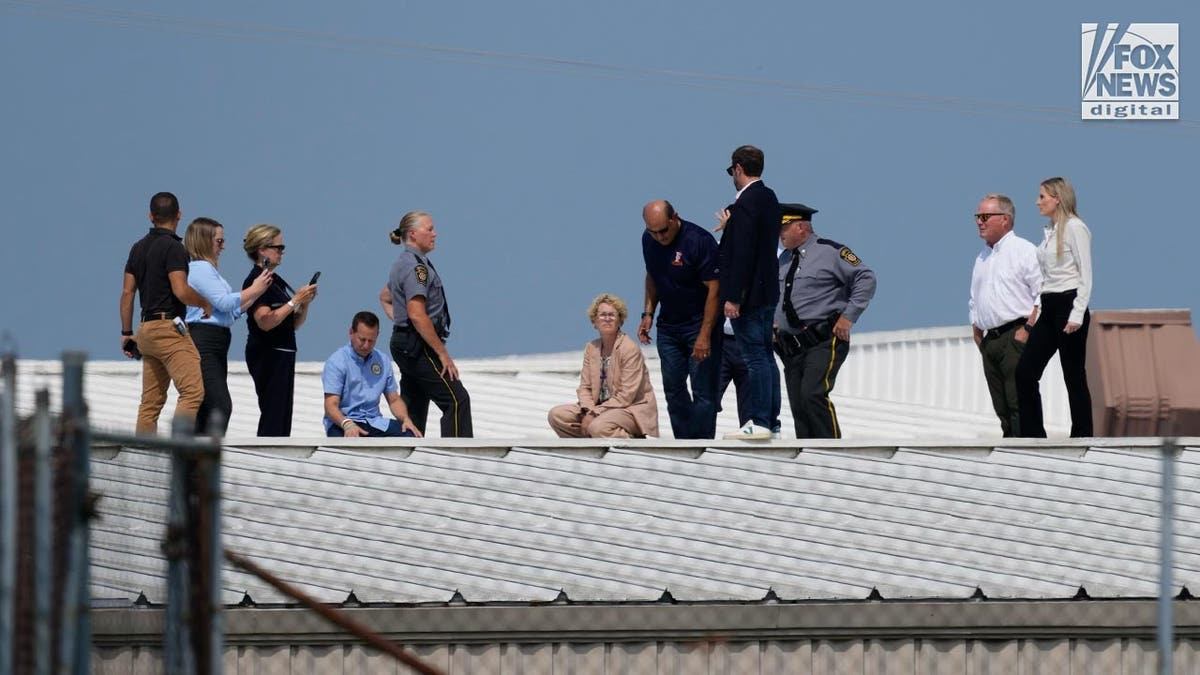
x,y
1130,71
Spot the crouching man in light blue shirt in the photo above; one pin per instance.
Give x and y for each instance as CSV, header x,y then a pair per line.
x,y
354,378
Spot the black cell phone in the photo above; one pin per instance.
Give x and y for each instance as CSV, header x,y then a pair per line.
x,y
130,346
314,279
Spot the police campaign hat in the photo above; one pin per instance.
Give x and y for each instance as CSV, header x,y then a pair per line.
x,y
796,212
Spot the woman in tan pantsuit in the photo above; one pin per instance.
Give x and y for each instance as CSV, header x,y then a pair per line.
x,y
615,396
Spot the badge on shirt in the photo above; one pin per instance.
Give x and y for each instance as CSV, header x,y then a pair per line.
x,y
678,261
376,369
422,275
849,256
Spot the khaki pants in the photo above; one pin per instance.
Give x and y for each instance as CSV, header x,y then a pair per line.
x,y
167,357
618,423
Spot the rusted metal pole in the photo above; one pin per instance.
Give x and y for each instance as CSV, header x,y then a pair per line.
x,y
334,616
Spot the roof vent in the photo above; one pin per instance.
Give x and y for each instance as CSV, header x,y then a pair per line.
x,y
1185,594
1081,594
352,600
667,598
771,598
247,601
875,595
561,598
978,594
143,601
457,598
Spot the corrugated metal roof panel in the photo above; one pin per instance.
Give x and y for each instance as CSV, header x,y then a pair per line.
x,y
826,523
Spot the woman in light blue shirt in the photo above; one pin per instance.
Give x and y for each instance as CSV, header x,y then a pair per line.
x,y
204,241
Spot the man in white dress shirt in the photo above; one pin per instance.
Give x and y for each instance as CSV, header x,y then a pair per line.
x,y
1005,295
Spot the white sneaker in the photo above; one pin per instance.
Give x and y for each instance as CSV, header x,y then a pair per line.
x,y
750,432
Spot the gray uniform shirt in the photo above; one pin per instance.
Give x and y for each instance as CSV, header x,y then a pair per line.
x,y
829,280
412,276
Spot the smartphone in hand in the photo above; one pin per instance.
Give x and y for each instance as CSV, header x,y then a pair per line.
x,y
131,346
313,280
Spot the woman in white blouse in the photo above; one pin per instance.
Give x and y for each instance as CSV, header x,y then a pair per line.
x,y
1065,255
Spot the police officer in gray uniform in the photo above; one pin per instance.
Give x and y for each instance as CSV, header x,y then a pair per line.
x,y
415,300
824,288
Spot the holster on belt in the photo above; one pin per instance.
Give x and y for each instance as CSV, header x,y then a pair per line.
x,y
805,336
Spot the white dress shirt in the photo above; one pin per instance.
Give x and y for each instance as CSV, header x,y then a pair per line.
x,y
1006,283
1074,269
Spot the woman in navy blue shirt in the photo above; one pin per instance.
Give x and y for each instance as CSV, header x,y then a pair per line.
x,y
273,320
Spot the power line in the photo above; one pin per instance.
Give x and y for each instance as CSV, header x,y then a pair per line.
x,y
571,67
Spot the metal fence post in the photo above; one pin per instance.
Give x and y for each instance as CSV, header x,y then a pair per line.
x,y
76,633
178,648
8,510
43,528
1166,561
212,504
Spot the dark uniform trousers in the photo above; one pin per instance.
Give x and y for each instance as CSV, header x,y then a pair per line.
x,y
809,373
421,381
1001,352
274,374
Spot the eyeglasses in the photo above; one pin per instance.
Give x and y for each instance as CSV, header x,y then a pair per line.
x,y
982,217
277,247
606,315
730,169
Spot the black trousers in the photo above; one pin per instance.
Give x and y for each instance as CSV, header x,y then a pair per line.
x,y
733,369
1048,337
421,382
274,374
809,374
213,344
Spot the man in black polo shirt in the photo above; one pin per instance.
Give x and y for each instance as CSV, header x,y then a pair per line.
x,y
157,269
681,275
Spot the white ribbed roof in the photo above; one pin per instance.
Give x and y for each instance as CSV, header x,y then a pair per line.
x,y
916,384
523,524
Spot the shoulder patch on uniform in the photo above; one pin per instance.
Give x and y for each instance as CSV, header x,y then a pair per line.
x,y
849,256
422,274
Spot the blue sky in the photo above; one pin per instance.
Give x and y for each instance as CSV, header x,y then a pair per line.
x,y
535,131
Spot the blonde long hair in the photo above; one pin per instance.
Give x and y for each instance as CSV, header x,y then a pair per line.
x,y
1060,188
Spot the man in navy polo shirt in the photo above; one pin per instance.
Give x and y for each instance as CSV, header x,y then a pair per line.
x,y
354,378
681,275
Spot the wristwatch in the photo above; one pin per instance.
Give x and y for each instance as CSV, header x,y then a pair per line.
x,y
293,305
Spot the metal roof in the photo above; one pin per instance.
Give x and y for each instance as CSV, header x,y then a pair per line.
x,y
487,522
924,384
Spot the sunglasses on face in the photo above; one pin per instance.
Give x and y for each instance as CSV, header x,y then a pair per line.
x,y
730,169
277,247
983,217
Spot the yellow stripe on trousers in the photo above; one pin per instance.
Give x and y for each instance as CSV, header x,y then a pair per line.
x,y
829,402
448,387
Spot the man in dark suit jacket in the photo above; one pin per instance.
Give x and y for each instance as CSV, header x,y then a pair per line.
x,y
749,287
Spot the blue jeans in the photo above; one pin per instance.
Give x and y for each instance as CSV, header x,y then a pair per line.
x,y
753,329
693,415
395,429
